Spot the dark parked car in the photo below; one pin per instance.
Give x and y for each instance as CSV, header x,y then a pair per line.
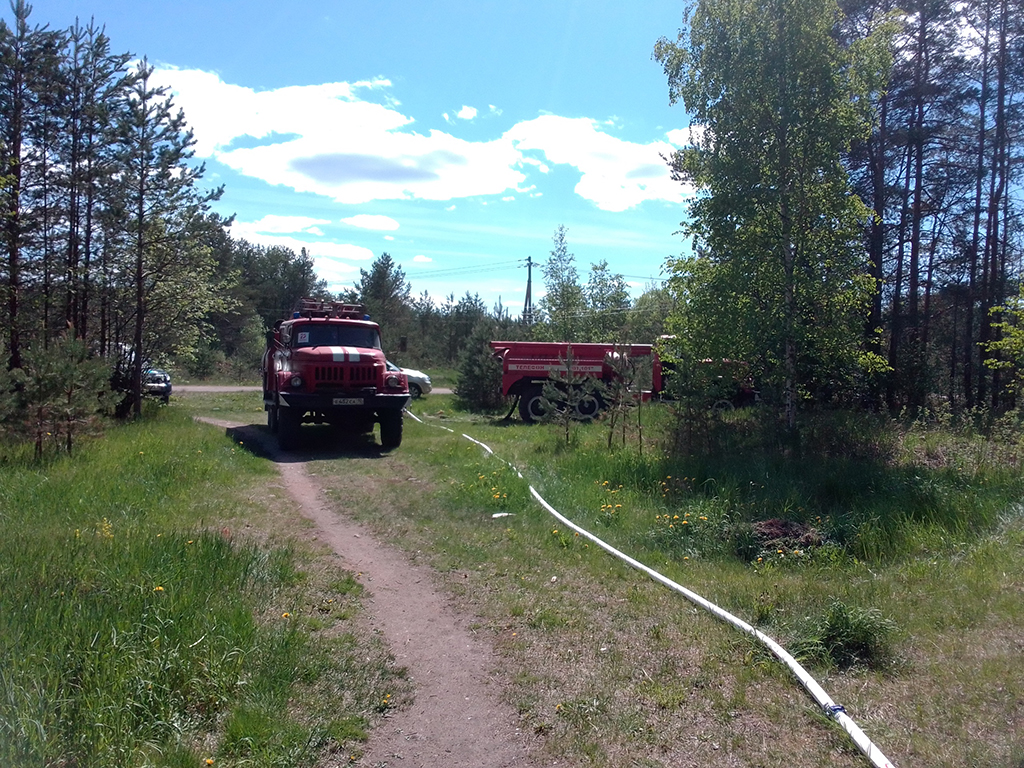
x,y
157,382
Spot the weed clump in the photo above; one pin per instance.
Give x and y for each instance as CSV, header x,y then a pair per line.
x,y
847,636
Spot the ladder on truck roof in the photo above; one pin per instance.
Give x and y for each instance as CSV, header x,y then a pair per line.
x,y
322,308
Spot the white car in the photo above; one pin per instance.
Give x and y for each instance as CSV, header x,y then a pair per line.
x,y
419,382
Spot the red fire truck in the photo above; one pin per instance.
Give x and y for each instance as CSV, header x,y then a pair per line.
x,y
325,365
527,365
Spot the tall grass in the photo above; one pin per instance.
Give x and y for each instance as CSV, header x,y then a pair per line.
x,y
134,621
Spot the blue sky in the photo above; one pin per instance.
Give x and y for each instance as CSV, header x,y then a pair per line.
x,y
456,136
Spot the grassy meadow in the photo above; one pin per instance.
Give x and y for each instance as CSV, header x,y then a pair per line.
x,y
896,579
152,615
154,612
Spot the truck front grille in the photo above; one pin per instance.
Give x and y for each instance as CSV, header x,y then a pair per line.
x,y
332,376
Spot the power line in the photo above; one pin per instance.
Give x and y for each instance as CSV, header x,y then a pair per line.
x,y
463,270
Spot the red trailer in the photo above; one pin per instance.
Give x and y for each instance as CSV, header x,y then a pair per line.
x,y
527,365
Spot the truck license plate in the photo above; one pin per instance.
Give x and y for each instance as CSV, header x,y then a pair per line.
x,y
348,401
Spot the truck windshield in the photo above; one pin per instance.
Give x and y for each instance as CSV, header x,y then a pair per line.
x,y
336,336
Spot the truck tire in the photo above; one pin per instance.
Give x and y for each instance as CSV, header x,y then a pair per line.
x,y
272,419
587,407
391,430
532,406
288,426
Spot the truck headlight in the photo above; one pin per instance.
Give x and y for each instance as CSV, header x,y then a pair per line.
x,y
393,382
296,381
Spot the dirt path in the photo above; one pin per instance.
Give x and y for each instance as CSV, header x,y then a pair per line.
x,y
457,719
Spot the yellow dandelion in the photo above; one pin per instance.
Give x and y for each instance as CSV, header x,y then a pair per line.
x,y
158,589
286,615
686,522
209,761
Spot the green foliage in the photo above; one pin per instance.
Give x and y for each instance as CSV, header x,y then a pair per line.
x,y
607,303
776,280
564,304
59,392
386,294
479,382
569,397
1007,349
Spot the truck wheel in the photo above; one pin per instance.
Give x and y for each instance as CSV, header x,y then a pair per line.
x,y
587,407
391,430
532,406
288,425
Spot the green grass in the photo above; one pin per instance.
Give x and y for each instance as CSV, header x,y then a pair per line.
x,y
901,583
143,621
899,586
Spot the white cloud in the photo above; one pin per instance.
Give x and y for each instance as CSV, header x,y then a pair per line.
x,y
349,142
616,174
330,259
685,137
325,139
421,259
274,224
508,198
388,237
371,221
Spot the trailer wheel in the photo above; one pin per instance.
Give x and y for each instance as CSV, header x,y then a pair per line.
x,y
289,423
532,406
391,430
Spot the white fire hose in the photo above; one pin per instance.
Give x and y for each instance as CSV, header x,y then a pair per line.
x,y
831,709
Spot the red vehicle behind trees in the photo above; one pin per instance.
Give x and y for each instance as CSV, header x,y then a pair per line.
x,y
528,365
325,365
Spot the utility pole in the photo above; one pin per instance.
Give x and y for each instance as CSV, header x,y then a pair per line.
x,y
528,306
